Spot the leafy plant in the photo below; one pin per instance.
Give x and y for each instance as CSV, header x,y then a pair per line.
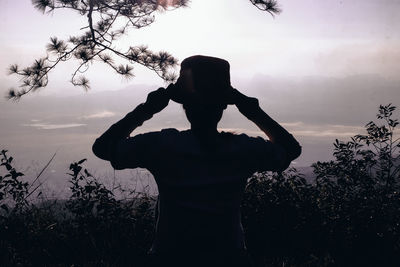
x,y
358,193
385,145
89,197
356,163
104,226
13,191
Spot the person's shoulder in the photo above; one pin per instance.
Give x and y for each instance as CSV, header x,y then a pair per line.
x,y
173,134
156,138
154,135
170,132
242,137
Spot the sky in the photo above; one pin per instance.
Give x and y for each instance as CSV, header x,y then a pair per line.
x,y
321,68
328,38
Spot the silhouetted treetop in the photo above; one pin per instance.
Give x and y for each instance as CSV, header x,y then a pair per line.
x,y
107,21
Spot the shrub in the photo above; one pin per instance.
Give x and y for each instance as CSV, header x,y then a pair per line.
x,y
349,217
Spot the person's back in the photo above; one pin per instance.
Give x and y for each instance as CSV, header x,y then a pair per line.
x,y
201,174
199,193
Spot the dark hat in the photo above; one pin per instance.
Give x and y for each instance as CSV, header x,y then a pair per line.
x,y
210,77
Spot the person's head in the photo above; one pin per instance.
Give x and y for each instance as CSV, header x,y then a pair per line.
x,y
204,80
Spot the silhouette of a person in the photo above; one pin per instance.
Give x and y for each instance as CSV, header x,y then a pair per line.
x,y
200,173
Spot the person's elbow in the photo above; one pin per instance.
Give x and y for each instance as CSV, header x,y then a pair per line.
x,y
292,153
295,152
100,149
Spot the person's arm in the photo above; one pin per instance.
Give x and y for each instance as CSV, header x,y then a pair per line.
x,y
104,146
250,108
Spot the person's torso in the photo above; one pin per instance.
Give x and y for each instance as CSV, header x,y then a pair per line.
x,y
201,182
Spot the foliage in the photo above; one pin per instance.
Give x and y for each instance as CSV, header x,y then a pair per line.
x,y
113,229
271,6
91,228
280,219
14,192
107,22
366,159
361,187
12,189
88,194
348,217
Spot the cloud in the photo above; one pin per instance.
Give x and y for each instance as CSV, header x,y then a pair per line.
x,y
48,126
301,129
292,124
362,58
98,115
327,130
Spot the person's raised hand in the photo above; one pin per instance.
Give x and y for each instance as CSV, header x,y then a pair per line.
x,y
174,92
157,100
230,95
246,105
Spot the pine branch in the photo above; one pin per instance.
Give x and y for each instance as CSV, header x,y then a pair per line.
x,y
94,43
270,6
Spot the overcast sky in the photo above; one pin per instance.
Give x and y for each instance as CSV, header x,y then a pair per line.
x,y
320,67
310,37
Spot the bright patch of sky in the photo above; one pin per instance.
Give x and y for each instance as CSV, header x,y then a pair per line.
x,y
98,115
49,126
